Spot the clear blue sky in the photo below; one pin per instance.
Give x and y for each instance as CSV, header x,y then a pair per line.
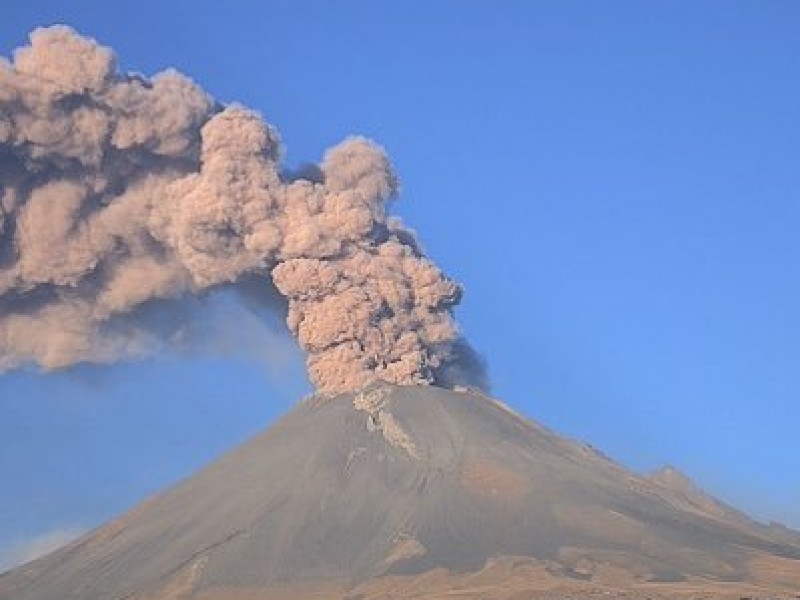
x,y
617,185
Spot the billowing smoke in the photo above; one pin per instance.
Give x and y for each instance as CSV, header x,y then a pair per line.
x,y
120,194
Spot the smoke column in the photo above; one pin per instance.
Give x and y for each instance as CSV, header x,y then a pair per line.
x,y
120,193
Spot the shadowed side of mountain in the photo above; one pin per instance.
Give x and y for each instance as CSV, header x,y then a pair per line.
x,y
397,484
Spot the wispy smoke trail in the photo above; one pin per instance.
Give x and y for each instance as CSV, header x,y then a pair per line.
x,y
118,193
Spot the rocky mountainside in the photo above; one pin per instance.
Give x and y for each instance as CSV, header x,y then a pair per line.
x,y
415,485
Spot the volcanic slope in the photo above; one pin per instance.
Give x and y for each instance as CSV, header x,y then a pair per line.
x,y
410,484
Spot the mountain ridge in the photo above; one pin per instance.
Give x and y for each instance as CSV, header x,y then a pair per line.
x,y
402,482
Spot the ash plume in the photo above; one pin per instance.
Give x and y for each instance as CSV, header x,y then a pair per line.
x,y
118,192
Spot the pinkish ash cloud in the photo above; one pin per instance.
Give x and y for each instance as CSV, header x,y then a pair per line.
x,y
119,193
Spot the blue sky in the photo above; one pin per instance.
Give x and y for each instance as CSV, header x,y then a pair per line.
x,y
615,183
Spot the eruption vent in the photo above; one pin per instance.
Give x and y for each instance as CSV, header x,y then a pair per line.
x,y
119,192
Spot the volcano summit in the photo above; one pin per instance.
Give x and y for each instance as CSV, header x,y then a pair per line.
x,y
416,492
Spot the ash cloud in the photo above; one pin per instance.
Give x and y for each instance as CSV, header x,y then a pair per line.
x,y
118,192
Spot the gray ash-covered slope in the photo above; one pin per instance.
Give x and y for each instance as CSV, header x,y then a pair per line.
x,y
402,480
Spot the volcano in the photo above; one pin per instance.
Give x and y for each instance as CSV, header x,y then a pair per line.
x,y
416,492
